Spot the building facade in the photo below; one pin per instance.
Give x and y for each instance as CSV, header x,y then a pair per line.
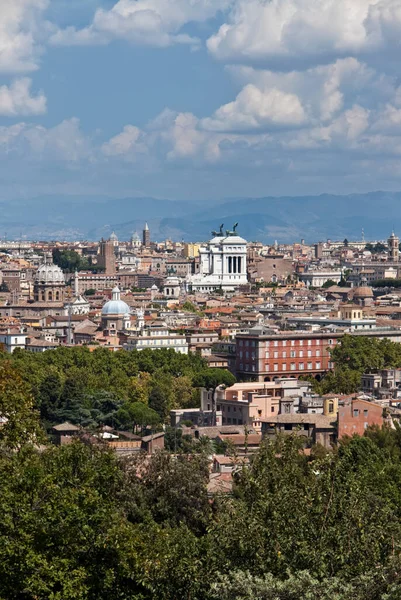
x,y
223,263
265,355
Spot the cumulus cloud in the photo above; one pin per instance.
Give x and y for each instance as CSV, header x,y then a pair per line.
x,y
126,143
149,22
315,31
16,99
22,28
64,142
256,108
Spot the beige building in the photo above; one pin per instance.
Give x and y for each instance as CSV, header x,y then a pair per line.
x,y
191,250
250,403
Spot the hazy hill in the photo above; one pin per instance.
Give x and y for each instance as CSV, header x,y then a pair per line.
x,y
266,219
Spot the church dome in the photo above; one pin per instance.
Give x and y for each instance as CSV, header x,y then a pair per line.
x,y
113,237
115,306
50,274
363,291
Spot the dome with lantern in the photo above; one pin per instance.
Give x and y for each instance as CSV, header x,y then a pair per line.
x,y
115,306
49,273
49,282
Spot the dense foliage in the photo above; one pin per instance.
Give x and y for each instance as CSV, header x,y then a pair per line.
x,y
386,283
70,261
80,524
377,248
354,356
123,389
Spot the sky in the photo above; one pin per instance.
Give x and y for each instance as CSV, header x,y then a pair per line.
x,y
199,99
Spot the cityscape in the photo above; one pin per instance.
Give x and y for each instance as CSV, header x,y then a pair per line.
x,y
200,300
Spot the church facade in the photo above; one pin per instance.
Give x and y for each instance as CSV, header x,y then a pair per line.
x,y
223,263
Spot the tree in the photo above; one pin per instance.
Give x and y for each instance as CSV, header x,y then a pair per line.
x,y
158,402
4,287
211,379
190,307
138,416
21,424
50,390
69,260
329,283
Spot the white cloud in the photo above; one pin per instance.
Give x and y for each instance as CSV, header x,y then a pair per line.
x,y
148,22
256,108
126,143
21,31
315,31
16,99
65,142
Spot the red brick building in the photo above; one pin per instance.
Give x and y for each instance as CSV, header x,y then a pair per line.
x,y
356,415
267,357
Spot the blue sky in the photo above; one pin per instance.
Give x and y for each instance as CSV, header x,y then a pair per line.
x,y
193,99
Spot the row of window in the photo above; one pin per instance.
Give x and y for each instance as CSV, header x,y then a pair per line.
x,y
284,343
300,367
309,366
293,354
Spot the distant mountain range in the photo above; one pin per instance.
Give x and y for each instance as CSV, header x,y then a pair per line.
x,y
286,219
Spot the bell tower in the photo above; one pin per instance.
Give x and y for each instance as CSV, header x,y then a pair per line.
x,y
394,247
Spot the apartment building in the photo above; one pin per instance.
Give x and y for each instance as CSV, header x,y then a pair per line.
x,y
265,355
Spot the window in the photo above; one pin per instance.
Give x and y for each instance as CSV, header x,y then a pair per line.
x,y
267,354
275,343
330,342
309,353
301,342
275,354
284,354
318,365
310,366
293,366
365,412
301,354
292,342
284,367
301,366
317,353
275,367
284,343
15,340
293,354
356,412
309,342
